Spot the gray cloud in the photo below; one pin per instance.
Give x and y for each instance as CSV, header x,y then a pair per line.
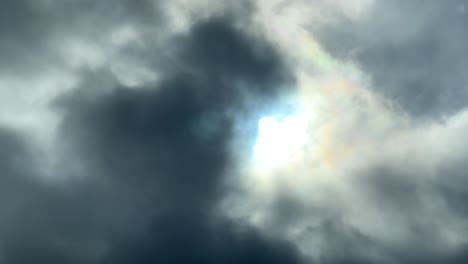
x,y
140,183
414,51
139,104
33,31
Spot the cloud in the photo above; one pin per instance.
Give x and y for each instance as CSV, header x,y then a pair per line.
x,y
414,52
127,132
149,144
371,185
137,175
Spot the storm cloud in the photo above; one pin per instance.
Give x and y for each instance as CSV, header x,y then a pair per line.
x,y
128,132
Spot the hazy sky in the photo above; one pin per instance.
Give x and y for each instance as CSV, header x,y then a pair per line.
x,y
252,131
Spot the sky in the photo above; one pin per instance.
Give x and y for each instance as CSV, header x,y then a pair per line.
x,y
251,131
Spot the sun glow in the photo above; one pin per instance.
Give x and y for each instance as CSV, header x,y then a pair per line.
x,y
279,140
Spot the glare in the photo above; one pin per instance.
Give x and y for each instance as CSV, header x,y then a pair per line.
x,y
279,139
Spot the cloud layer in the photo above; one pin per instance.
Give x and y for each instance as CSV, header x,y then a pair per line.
x,y
128,130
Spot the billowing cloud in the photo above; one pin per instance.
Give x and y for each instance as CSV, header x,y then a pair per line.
x,y
253,132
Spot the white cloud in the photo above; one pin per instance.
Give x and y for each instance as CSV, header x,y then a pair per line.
x,y
357,143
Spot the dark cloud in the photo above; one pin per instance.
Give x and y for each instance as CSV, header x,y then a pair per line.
x,y
146,172
141,171
415,52
22,25
183,238
41,221
147,143
35,34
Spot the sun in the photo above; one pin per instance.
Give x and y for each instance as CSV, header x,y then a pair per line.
x,y
279,139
